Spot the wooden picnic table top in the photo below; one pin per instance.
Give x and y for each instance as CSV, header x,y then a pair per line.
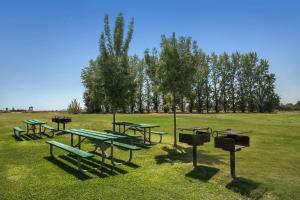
x,y
34,122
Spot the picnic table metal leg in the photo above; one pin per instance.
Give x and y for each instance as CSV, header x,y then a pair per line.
x,y
149,135
232,164
33,129
112,153
58,126
40,130
51,150
79,141
144,135
72,138
124,128
27,128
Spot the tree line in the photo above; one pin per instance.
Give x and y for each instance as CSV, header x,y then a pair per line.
x,y
178,75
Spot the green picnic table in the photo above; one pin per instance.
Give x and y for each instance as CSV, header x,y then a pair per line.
x,y
31,125
134,126
101,139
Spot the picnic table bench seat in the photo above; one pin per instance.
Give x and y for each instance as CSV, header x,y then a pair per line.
x,y
45,126
79,153
18,130
160,133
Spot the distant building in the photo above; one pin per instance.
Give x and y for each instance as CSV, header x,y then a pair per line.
x,y
30,109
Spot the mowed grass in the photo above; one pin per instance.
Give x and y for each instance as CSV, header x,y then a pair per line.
x,y
268,169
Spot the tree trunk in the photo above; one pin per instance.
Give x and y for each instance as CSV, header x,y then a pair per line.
x,y
174,118
191,105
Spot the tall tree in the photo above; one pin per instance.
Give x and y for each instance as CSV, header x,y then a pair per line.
x,y
224,67
114,63
176,71
215,79
232,82
152,66
249,65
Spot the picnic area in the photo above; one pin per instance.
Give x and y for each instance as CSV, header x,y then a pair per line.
x,y
268,169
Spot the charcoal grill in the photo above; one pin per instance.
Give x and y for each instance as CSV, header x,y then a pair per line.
x,y
197,138
231,141
61,120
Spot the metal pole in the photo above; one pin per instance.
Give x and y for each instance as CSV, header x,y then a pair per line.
x,y
195,156
232,164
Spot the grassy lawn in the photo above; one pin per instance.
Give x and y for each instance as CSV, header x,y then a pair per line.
x,y
269,169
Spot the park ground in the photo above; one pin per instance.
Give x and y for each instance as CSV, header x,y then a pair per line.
x,y
268,169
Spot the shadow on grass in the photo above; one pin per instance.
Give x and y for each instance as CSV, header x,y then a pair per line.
x,y
202,173
247,187
26,137
90,164
132,165
185,155
73,171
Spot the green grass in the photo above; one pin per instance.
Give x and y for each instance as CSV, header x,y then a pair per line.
x,y
269,169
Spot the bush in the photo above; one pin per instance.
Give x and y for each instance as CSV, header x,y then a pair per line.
x,y
74,107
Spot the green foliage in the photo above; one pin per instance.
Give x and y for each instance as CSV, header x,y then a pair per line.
x,y
113,63
74,107
116,81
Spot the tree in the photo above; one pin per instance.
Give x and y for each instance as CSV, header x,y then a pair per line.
x,y
152,66
113,62
74,107
202,88
215,78
235,64
176,71
223,68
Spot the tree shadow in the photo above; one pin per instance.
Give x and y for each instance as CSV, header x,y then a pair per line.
x,y
73,171
247,187
202,173
185,155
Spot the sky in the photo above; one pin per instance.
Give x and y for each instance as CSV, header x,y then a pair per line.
x,y
45,44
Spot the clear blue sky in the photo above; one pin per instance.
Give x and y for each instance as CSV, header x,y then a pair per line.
x,y
44,45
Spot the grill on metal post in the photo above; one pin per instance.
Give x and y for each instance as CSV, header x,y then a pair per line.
x,y
231,141
199,137
61,120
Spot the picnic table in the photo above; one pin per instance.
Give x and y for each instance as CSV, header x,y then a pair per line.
x,y
101,139
31,125
135,126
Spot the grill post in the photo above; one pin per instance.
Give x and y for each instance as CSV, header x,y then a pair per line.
x,y
232,164
195,156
